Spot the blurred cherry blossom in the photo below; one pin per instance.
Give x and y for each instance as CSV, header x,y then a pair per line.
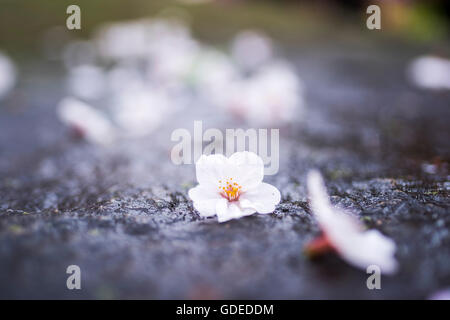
x,y
8,75
345,235
123,40
86,121
443,294
138,112
143,71
430,72
270,97
251,49
86,81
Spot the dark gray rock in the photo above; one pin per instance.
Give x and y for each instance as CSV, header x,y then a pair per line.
x,y
123,215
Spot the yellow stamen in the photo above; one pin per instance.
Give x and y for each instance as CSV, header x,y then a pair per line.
x,y
230,190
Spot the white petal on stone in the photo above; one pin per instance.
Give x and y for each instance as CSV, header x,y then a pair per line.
x,y
205,200
222,210
249,169
8,75
231,210
330,219
210,169
430,72
90,121
263,198
358,247
370,248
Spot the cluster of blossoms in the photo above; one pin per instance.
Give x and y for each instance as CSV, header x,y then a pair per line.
x,y
144,71
231,188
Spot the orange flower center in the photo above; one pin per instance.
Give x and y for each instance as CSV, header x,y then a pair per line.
x,y
229,189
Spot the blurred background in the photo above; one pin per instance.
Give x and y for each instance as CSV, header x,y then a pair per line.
x,y
86,118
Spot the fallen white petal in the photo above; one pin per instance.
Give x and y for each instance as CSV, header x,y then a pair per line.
x,y
430,72
210,169
8,75
94,125
263,198
205,200
249,168
231,210
358,247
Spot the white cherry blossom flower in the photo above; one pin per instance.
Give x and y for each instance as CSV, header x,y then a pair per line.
x,y
232,187
345,234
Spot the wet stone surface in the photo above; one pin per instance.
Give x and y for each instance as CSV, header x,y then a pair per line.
x,y
122,213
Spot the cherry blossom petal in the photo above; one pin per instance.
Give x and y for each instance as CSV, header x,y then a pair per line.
x,y
430,72
263,198
358,247
248,169
231,210
369,248
93,123
205,200
210,169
